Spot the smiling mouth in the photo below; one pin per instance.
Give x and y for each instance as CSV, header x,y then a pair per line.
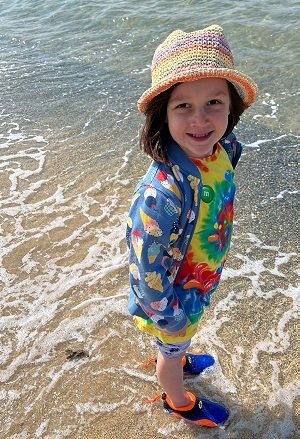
x,y
200,136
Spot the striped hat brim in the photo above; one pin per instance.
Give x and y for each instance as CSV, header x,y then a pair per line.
x,y
245,86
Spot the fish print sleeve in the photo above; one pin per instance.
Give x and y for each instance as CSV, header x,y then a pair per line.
x,y
153,229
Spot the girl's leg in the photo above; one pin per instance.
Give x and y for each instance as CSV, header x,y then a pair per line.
x,y
177,401
169,371
170,376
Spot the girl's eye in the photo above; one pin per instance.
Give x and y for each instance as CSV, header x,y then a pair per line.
x,y
214,102
183,105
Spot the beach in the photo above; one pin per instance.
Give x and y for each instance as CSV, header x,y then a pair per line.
x,y
71,355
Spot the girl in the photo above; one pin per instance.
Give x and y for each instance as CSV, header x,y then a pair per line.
x,y
180,222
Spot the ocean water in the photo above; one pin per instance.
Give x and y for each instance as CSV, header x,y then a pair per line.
x,y
71,72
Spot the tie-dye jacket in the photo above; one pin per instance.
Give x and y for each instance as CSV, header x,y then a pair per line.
x,y
160,227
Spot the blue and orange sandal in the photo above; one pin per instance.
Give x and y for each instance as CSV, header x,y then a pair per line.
x,y
193,364
200,411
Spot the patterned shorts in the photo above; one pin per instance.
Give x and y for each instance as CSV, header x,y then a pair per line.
x,y
173,350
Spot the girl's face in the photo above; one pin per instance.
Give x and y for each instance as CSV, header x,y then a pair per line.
x,y
197,115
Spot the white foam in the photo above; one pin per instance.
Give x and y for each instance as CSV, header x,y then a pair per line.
x,y
11,394
98,299
282,193
259,142
269,107
98,407
42,428
141,376
23,435
15,174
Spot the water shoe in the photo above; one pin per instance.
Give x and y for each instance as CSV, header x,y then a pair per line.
x,y
200,411
193,364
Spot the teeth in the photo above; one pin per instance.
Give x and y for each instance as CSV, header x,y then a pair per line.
x,y
200,135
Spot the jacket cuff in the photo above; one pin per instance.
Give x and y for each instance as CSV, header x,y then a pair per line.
x,y
173,326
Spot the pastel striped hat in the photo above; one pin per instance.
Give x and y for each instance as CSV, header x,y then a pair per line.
x,y
190,56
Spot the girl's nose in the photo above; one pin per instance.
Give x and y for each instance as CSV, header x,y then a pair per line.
x,y
199,117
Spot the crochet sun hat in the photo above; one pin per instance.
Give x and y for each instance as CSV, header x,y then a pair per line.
x,y
190,56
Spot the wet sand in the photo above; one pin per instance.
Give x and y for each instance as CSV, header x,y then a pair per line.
x,y
104,395
250,329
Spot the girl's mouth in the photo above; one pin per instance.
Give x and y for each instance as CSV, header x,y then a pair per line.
x,y
202,136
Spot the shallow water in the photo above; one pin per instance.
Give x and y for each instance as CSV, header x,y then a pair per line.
x,y
71,73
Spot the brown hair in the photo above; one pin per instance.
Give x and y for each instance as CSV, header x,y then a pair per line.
x,y
155,133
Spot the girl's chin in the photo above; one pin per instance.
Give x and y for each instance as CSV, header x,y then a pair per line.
x,y
199,153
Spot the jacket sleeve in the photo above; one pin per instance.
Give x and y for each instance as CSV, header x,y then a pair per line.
x,y
152,232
